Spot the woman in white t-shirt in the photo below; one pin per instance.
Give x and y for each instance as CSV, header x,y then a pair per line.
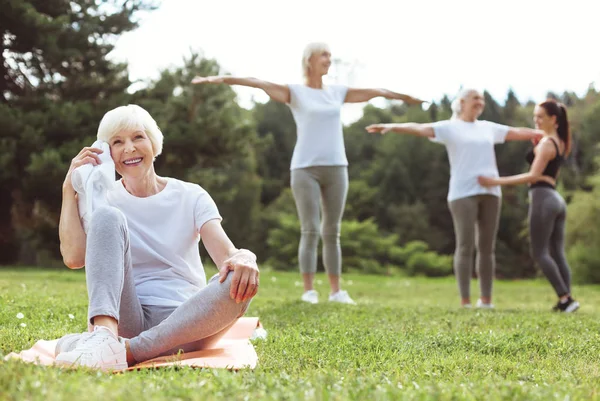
x,y
475,209
319,175
147,287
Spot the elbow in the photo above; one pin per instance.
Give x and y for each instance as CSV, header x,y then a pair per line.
x,y
74,263
534,178
71,260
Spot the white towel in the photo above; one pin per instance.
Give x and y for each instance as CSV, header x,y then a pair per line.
x,y
93,182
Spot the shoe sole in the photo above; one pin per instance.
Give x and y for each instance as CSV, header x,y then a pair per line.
x,y
573,307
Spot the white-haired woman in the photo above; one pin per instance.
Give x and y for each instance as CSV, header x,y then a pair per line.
x,y
475,209
319,175
147,288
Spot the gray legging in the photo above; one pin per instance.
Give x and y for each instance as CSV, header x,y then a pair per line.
x,y
153,330
547,215
326,186
475,221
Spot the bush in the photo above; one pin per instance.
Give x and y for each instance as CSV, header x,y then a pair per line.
x,y
429,264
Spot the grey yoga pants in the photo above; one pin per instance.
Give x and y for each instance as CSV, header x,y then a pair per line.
x,y
316,189
153,330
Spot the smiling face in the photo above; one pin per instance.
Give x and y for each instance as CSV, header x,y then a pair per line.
x,y
132,153
542,120
472,105
320,62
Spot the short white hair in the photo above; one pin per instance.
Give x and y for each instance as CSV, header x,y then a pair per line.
x,y
455,105
130,118
309,50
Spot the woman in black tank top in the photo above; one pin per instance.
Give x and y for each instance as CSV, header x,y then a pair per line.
x,y
547,209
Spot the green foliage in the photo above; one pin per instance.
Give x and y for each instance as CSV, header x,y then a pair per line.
x,y
429,264
583,233
56,84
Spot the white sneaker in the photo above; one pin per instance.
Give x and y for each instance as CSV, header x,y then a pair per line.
x,y
69,342
341,297
466,306
311,296
481,305
100,350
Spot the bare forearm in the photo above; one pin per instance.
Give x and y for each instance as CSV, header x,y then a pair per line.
x,y
250,82
279,93
523,134
388,94
412,129
525,178
71,234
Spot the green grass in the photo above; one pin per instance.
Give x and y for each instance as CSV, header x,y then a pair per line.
x,y
407,339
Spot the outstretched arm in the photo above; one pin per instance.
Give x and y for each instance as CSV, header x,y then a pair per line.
x,y
424,130
355,95
524,134
544,153
277,92
242,262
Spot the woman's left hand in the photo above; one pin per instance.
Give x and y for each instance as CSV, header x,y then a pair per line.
x,y
245,281
486,181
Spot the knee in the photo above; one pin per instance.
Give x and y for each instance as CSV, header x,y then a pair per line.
x,y
465,249
310,236
331,233
224,294
106,218
540,255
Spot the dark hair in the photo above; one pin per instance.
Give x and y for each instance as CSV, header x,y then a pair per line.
x,y
554,108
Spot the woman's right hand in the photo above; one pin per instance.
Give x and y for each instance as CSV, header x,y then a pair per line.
x,y
379,128
87,155
216,79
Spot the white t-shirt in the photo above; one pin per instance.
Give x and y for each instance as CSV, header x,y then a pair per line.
x,y
317,112
164,232
470,147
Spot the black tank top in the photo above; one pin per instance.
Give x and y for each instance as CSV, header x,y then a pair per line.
x,y
553,166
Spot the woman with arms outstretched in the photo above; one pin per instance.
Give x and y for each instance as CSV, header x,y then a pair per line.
x,y
319,174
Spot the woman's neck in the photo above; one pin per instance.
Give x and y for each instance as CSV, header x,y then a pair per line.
x,y
466,118
314,81
143,187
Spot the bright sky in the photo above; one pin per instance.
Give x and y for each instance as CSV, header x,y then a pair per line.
x,y
425,48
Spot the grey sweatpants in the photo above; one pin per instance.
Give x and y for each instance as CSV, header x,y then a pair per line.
x,y
315,188
547,215
475,221
153,330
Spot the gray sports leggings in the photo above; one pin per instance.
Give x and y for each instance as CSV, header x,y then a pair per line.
x,y
475,221
153,330
327,186
547,215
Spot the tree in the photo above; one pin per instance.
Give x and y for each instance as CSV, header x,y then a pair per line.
x,y
56,84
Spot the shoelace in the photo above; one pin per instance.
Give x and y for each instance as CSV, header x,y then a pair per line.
x,y
94,340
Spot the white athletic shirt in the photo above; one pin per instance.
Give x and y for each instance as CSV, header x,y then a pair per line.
x,y
319,138
164,232
470,147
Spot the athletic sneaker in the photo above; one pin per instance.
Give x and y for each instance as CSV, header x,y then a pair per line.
x,y
568,306
466,306
482,305
311,296
69,342
100,350
341,297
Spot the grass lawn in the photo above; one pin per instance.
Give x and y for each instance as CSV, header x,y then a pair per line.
x,y
407,339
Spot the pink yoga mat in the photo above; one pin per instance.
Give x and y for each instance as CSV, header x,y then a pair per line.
x,y
233,351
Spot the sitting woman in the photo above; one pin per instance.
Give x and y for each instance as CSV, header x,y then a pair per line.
x,y
146,285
